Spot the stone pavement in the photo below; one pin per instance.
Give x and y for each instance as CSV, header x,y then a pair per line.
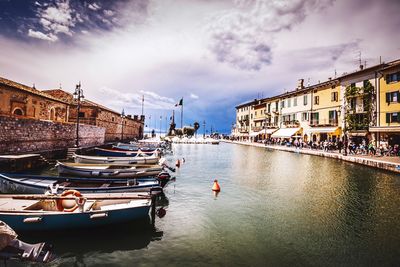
x,y
386,163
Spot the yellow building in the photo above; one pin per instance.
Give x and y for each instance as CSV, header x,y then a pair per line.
x,y
325,113
242,127
387,128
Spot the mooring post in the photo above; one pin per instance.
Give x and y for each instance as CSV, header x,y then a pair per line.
x,y
153,210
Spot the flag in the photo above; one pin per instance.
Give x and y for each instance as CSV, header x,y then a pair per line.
x,y
180,103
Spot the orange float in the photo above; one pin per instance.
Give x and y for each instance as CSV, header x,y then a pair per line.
x,y
65,204
216,187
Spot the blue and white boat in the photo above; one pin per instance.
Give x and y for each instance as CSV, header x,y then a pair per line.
x,y
116,160
42,212
36,184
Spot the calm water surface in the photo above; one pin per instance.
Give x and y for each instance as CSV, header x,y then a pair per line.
x,y
274,209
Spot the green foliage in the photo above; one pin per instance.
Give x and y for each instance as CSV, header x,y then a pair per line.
x,y
359,121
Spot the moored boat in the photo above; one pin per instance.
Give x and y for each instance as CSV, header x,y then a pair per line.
x,y
124,153
49,212
115,160
35,184
107,170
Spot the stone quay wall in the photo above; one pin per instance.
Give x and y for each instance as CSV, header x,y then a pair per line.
x,y
21,135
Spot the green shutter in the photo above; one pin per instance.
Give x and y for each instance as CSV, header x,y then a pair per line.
x,y
388,97
387,117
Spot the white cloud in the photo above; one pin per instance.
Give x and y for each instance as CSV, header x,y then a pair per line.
x,y
193,96
108,13
94,6
244,35
57,19
40,35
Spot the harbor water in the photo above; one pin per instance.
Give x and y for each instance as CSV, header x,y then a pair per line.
x,y
274,209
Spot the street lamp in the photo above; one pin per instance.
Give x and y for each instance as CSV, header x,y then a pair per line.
x,y
78,95
123,122
204,127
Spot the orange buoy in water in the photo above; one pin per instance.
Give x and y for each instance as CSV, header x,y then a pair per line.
x,y
178,163
216,187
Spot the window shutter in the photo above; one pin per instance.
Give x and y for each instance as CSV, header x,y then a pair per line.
x,y
387,117
388,97
398,95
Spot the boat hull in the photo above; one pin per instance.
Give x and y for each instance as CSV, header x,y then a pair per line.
x,y
74,171
115,160
64,221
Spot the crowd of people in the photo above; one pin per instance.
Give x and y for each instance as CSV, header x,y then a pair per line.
x,y
364,147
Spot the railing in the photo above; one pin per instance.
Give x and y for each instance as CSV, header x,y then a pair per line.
x,y
243,130
291,123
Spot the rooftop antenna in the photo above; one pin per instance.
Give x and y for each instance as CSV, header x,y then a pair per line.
x,y
365,63
60,86
33,86
335,73
308,82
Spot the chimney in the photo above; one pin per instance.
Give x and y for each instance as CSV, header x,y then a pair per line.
x,y
330,78
135,117
361,67
300,84
142,117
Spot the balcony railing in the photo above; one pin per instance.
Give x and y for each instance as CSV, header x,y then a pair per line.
x,y
327,122
291,123
243,129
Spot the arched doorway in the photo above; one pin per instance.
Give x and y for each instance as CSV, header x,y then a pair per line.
x,y
18,112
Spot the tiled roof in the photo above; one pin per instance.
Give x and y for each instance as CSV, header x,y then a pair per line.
x,y
28,89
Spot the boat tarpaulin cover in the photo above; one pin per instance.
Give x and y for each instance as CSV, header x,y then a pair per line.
x,y
7,234
285,132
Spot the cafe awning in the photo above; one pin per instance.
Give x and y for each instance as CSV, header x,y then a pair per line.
x,y
263,131
323,130
285,132
393,129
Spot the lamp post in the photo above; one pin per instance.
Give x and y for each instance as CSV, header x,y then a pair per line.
x,y
204,127
123,122
160,125
78,95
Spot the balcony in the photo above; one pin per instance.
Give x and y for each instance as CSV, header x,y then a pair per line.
x,y
257,129
325,122
293,123
243,130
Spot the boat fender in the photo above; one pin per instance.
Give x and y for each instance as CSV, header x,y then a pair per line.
x,y
66,205
161,212
80,201
216,186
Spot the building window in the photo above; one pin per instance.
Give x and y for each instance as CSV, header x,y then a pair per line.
x,y
294,101
18,112
393,77
333,118
255,113
282,103
269,107
304,116
52,114
314,118
392,97
289,102
352,103
305,100
334,97
393,117
316,100
82,115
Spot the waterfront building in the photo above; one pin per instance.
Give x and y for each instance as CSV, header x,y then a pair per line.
x,y
22,101
294,113
359,90
258,119
387,128
325,112
243,123
117,126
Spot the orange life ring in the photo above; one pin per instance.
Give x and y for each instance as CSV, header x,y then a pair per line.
x,y
60,205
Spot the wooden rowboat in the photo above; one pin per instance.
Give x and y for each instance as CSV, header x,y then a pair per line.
x,y
35,184
115,160
107,170
42,212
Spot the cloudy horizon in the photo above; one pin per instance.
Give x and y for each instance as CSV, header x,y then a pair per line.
x,y
214,54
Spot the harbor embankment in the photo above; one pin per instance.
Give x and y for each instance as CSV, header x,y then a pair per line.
x,y
384,163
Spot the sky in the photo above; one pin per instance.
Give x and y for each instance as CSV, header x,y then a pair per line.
x,y
215,54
